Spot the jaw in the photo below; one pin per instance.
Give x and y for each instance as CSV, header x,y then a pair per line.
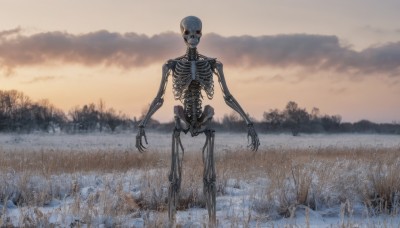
x,y
192,43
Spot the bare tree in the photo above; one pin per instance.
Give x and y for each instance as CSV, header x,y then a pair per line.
x,y
112,119
101,107
295,117
274,118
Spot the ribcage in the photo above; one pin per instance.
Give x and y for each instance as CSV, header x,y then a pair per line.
x,y
181,78
205,77
187,71
189,78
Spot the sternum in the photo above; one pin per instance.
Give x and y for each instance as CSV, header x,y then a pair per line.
x,y
193,70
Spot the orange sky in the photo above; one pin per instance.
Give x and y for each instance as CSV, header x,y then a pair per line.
x,y
342,57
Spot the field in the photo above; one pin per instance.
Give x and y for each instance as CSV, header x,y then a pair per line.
x,y
100,180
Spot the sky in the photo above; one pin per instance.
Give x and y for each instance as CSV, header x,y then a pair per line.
x,y
338,55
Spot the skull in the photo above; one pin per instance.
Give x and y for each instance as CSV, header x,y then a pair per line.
x,y
191,31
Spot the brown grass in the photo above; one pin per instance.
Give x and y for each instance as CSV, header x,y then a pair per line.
x,y
55,162
383,193
297,177
249,164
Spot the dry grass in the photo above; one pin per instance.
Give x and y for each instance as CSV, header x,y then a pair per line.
x,y
312,178
245,163
382,194
55,162
319,178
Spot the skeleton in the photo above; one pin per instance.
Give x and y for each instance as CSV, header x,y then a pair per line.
x,y
193,73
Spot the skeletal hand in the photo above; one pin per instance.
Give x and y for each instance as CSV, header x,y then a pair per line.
x,y
139,137
252,135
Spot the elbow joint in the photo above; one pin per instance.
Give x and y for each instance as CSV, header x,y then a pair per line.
x,y
158,101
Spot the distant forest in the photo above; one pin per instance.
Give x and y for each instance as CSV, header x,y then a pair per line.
x,y
18,113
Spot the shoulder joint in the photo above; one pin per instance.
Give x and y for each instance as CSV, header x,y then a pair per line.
x,y
169,65
218,65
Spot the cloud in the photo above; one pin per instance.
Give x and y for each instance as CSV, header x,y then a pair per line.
x,y
264,78
96,48
128,50
314,52
380,30
41,79
375,30
6,33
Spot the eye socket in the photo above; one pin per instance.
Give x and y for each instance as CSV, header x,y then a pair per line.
x,y
186,32
198,32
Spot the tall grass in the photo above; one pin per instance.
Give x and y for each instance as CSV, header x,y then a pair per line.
x,y
130,184
382,191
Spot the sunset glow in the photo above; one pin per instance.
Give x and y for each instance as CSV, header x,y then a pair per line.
x,y
342,57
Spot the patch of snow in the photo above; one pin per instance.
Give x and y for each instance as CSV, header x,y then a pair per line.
x,y
235,208
161,141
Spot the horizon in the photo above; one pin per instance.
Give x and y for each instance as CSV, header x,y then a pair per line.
x,y
105,107
341,57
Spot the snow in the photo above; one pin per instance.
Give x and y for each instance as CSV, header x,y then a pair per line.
x,y
162,141
235,208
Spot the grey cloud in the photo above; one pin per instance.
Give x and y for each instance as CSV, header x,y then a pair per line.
x,y
379,30
281,50
311,52
102,47
263,78
6,33
376,30
315,52
41,79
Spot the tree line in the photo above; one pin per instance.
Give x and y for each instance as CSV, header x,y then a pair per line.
x,y
297,120
18,113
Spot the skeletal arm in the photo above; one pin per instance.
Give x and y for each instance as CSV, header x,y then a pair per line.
x,y
154,106
234,104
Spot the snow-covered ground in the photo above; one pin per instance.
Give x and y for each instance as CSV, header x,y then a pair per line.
x,y
95,203
97,195
162,141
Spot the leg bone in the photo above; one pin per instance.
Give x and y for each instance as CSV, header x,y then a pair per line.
x,y
175,175
209,176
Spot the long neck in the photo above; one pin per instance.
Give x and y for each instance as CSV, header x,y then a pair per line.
x,y
192,54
